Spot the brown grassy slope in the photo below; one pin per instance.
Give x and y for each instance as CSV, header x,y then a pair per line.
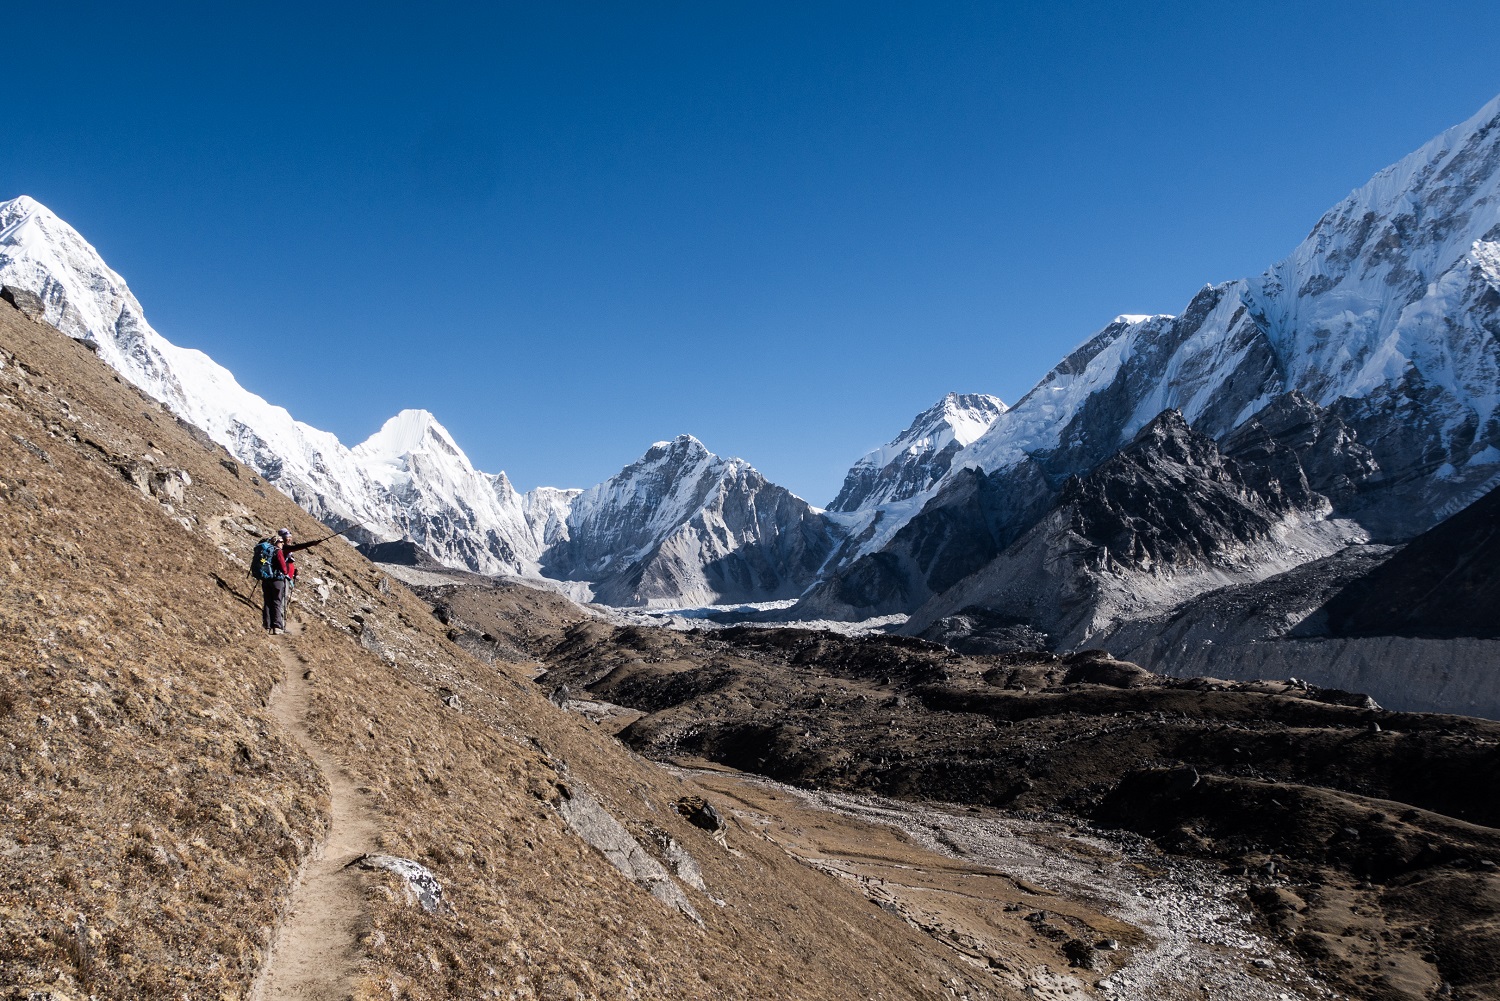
x,y
154,815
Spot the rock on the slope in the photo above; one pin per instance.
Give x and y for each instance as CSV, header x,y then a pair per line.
x,y
1169,517
29,304
682,526
593,823
421,885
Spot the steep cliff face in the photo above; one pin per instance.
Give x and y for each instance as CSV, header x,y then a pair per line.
x,y
1168,517
682,526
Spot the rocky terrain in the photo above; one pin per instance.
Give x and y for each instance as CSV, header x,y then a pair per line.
x,y
682,526
1365,840
1167,517
1415,626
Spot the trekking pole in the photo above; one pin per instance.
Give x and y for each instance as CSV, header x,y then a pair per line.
x,y
341,531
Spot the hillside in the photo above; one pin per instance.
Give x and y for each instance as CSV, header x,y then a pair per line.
x,y
168,769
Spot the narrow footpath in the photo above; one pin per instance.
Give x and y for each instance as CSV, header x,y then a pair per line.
x,y
314,957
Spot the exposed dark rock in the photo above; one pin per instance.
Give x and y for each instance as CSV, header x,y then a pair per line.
x,y
402,553
1295,441
1444,583
700,813
28,303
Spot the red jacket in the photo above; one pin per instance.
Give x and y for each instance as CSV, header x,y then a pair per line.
x,y
284,564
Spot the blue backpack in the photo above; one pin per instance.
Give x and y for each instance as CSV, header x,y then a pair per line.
x,y
263,562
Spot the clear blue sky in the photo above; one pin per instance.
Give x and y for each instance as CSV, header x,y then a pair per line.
x,y
572,229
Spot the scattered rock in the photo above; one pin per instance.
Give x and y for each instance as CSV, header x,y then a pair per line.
x,y
29,304
34,449
594,824
419,881
700,813
1079,953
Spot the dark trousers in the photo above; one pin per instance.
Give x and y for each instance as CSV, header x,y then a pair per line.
x,y
273,603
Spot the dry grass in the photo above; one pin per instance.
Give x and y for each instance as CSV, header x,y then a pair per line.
x,y
154,817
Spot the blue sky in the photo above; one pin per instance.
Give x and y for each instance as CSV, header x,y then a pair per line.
x,y
572,229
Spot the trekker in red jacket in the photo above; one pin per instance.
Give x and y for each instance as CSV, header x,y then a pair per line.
x,y
279,589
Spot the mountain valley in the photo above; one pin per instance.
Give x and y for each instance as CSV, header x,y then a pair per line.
x,y
1175,678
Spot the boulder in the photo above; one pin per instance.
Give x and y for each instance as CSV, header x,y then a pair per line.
x,y
421,885
28,303
700,813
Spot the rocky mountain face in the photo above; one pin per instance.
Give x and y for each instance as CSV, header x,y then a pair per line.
x,y
1445,583
1386,320
436,497
682,526
1414,626
1167,517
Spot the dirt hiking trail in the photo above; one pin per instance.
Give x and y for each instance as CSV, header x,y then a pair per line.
x,y
314,957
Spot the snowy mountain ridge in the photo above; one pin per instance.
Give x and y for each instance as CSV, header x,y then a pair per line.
x,y
410,479
683,526
1388,306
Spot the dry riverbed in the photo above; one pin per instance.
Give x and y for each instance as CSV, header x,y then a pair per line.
x,y
1052,909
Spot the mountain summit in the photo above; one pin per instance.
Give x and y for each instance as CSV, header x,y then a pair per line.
x,y
919,456
683,526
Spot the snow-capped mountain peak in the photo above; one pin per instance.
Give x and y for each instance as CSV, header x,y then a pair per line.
x,y
460,515
915,459
404,433
410,478
86,299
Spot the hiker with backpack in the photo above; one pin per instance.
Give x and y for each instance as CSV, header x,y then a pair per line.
x,y
277,571
269,567
271,563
